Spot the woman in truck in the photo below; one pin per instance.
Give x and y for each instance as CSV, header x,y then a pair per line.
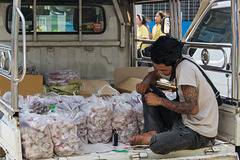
x,y
156,31
142,33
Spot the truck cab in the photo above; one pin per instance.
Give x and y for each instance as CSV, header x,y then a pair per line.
x,y
94,37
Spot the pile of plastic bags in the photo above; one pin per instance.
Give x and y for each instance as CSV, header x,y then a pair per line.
x,y
61,125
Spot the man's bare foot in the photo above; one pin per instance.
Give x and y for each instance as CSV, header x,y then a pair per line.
x,y
142,139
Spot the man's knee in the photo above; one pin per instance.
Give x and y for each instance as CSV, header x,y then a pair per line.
x,y
158,146
159,149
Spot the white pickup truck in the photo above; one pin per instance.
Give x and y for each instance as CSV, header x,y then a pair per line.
x,y
94,37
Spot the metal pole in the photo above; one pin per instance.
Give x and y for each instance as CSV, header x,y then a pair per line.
x,y
234,51
179,21
171,17
175,20
134,46
121,20
14,57
34,20
238,50
80,21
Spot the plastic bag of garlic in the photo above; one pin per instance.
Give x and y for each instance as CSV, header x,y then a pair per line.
x,y
124,122
64,136
138,110
135,100
71,111
35,136
99,115
36,104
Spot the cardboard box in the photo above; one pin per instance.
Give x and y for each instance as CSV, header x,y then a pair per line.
x,y
126,78
121,74
128,85
93,86
31,84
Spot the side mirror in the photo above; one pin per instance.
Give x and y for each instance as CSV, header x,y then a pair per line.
x,y
165,25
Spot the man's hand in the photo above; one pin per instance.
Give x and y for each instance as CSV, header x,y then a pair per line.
x,y
190,106
153,99
149,79
142,87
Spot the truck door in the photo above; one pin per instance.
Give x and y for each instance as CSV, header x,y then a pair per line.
x,y
215,28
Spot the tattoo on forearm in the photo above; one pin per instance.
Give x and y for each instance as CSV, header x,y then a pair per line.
x,y
190,105
151,78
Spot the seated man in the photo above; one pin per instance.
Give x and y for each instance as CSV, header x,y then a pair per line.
x,y
188,123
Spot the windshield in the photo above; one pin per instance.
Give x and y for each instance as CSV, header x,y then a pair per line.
x,y
215,27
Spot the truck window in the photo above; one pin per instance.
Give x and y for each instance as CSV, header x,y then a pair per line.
x,y
215,27
61,18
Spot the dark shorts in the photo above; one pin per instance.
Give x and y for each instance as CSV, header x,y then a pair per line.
x,y
172,134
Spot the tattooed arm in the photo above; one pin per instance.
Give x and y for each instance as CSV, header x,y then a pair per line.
x,y
190,106
151,78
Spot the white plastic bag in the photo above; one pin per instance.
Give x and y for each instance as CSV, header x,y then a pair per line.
x,y
7,98
72,112
61,77
30,70
124,122
38,105
99,115
138,110
35,136
64,136
170,95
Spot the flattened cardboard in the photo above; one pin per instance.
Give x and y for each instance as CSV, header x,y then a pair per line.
x,y
93,86
31,84
128,85
122,73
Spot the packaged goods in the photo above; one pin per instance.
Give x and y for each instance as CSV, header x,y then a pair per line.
x,y
66,89
38,105
138,110
31,68
61,77
75,121
124,122
99,115
136,102
68,106
35,136
64,136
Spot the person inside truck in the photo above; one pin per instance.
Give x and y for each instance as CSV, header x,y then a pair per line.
x,y
156,31
142,31
190,121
